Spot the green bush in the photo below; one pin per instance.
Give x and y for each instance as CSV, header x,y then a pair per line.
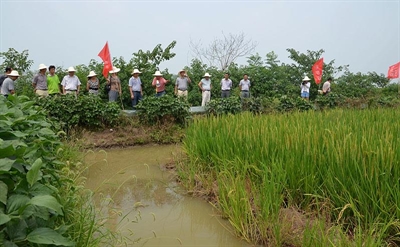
x,y
253,104
31,210
331,100
220,106
85,111
154,110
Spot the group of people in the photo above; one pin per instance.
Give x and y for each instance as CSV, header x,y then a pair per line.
x,y
45,85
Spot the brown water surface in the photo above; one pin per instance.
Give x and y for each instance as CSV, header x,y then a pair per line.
x,y
143,202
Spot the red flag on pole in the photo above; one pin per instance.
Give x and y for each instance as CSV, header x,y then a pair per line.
x,y
105,56
317,70
394,71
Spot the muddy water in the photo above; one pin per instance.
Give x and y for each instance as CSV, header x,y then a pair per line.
x,y
143,202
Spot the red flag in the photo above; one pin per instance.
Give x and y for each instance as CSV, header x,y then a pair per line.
x,y
105,56
394,71
317,70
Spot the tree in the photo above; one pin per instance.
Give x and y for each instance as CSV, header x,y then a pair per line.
x,y
222,52
17,61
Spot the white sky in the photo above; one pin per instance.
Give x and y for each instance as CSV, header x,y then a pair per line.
x,y
363,34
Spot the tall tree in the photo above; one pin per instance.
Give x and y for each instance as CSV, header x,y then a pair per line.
x,y
221,52
16,60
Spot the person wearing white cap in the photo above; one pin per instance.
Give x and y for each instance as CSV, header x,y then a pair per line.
x,y
305,88
135,87
40,82
205,86
7,87
71,83
159,83
115,85
53,82
93,83
181,84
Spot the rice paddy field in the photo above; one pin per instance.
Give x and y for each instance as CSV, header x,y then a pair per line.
x,y
302,179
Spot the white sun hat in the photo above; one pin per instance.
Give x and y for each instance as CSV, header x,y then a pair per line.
x,y
206,75
14,73
42,66
182,70
91,74
136,71
115,70
306,78
71,69
158,73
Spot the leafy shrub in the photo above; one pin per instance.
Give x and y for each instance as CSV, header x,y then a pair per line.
x,y
254,105
302,104
153,110
220,106
31,211
331,100
286,104
86,111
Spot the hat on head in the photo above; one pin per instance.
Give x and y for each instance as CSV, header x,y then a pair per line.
x,y
71,69
158,73
115,70
91,74
206,75
182,70
306,78
14,73
136,71
42,66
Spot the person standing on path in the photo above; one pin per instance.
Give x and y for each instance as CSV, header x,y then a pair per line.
x,y
115,84
53,82
182,83
244,86
205,86
39,82
326,88
305,88
226,85
7,87
93,83
71,83
159,83
135,88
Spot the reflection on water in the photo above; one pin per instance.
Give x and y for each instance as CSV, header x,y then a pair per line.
x,y
143,202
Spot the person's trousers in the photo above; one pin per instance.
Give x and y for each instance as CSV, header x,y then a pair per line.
x,y
42,93
112,96
137,96
225,93
205,97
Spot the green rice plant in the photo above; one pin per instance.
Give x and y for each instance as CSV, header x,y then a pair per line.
x,y
348,159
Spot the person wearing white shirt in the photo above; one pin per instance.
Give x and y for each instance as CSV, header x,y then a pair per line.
x,y
70,83
326,88
226,85
305,88
244,86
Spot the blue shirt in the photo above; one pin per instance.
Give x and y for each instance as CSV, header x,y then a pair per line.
x,y
206,84
136,84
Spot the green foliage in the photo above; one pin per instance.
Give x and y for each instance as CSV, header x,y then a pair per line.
x,y
29,177
158,110
220,106
339,166
331,100
16,60
253,104
86,111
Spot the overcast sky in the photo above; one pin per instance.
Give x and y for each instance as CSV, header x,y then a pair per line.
x,y
363,34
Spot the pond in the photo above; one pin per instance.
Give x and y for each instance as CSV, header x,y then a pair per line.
x,y
145,204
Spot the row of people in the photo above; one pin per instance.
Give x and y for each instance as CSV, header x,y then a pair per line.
x,y
45,85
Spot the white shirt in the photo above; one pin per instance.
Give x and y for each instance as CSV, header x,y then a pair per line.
x,y
305,88
326,88
70,82
226,84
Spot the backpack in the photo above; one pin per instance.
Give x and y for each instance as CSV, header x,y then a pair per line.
x,y
2,78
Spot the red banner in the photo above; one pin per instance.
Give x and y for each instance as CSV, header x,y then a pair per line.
x,y
105,56
394,71
317,70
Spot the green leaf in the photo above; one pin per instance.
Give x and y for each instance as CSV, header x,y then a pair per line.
x,y
16,202
33,174
46,131
6,164
3,192
9,244
48,236
4,219
47,201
